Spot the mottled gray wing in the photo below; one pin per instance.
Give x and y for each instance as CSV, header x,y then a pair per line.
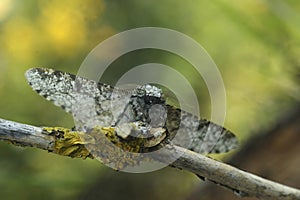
x,y
91,103
198,135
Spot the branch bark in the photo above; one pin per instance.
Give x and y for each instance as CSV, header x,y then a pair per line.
x,y
241,182
25,135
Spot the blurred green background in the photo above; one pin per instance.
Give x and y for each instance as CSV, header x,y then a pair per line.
x,y
255,44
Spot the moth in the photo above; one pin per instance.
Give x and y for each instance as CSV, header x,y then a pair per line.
x,y
139,117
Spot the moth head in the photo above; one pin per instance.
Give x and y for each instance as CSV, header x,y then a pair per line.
x,y
148,105
148,95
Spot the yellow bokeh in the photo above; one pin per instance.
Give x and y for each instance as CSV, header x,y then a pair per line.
x,y
20,38
5,8
63,26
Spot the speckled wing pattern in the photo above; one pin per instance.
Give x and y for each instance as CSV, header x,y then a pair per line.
x,y
199,135
97,104
75,94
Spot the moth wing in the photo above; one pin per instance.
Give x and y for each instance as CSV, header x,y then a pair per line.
x,y
91,103
198,135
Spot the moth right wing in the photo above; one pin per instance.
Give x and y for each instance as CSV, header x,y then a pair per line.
x,y
199,135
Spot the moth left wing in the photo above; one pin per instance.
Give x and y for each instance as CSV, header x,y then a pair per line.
x,y
91,103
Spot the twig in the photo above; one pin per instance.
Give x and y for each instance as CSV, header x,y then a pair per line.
x,y
241,182
25,135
